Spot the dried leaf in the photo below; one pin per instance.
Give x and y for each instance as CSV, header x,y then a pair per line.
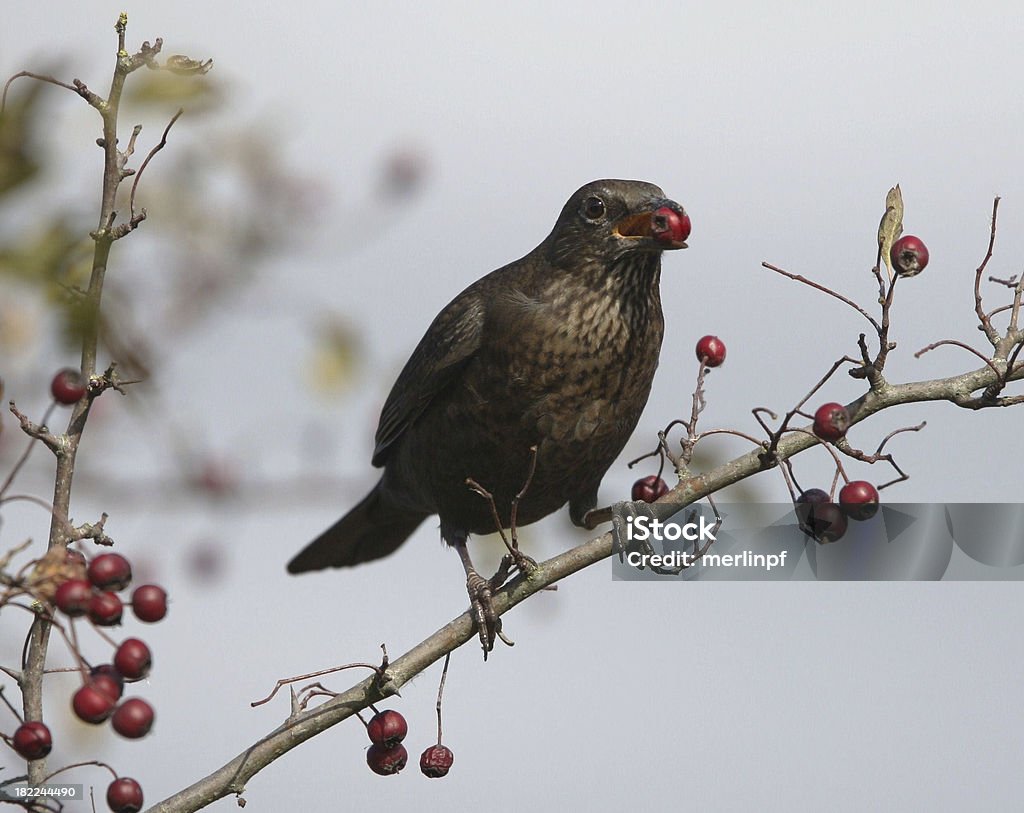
x,y
891,225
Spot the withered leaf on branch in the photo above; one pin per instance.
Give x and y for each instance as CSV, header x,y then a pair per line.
x,y
891,225
178,63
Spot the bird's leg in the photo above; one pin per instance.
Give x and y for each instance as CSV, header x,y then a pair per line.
x,y
584,513
595,517
480,591
523,563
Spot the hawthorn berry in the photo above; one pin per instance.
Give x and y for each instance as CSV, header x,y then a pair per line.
x,y
92,704
133,659
670,226
909,256
73,597
831,421
107,679
110,571
859,499
105,609
711,351
649,489
68,386
133,718
386,761
387,728
124,795
32,740
819,517
813,495
149,603
436,761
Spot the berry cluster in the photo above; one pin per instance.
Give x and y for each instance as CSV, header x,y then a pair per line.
x,y
819,517
89,589
386,755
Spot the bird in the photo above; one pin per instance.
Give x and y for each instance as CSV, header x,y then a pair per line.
x,y
535,375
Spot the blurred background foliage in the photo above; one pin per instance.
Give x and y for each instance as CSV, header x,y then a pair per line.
x,y
226,211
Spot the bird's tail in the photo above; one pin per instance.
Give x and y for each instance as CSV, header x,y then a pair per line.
x,y
372,530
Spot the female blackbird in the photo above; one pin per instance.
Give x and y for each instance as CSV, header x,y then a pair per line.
x,y
546,363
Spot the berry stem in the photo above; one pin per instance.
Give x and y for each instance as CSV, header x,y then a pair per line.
x,y
7,703
440,693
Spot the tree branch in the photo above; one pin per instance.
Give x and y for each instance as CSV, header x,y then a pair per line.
x,y
232,777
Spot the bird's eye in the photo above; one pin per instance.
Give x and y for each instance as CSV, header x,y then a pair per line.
x,y
593,208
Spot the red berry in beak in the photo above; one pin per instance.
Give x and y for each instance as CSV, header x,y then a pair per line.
x,y
670,226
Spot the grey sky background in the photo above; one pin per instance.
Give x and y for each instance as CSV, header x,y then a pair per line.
x,y
780,129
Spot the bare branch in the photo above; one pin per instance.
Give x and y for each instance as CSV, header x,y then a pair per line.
x,y
983,320
825,290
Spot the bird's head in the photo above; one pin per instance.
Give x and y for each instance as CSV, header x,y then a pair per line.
x,y
606,219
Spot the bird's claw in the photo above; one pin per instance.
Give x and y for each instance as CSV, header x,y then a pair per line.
x,y
488,623
524,564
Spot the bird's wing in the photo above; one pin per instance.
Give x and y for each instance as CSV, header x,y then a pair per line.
x,y
449,343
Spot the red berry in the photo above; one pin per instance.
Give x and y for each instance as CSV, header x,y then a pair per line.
x,y
831,421
124,795
436,760
386,761
133,659
73,596
75,557
813,495
670,227
92,704
105,609
108,680
649,489
32,740
133,718
909,256
387,728
819,517
149,603
711,351
859,499
68,386
110,571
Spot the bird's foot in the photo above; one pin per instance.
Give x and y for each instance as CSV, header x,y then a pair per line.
x,y
514,559
524,564
488,623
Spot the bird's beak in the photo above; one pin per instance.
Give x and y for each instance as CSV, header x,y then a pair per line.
x,y
666,225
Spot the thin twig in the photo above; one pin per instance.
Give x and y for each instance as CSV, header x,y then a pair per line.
x,y
983,320
824,290
149,157
41,77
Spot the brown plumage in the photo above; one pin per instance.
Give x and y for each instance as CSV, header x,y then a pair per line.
x,y
557,350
